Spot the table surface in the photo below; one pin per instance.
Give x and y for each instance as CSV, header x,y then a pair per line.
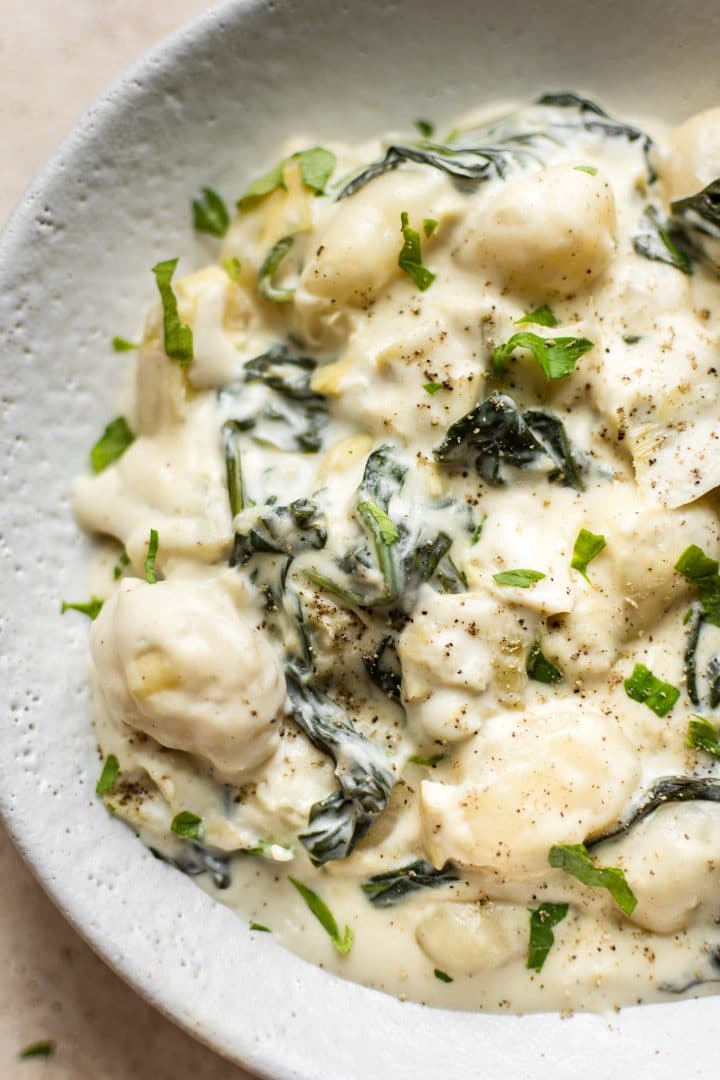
x,y
55,57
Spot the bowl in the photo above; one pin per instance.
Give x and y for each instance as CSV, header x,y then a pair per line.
x,y
211,104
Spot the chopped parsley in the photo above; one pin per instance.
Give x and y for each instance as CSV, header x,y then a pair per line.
x,y
45,1048
432,388
177,338
259,926
426,762
587,547
122,563
556,356
574,859
425,128
589,169
342,942
268,289
210,214
540,669
121,344
152,550
542,316
631,339
646,688
108,776
702,735
112,444
410,257
187,825
316,168
443,976
542,939
429,226
477,531
699,570
523,579
232,268
92,608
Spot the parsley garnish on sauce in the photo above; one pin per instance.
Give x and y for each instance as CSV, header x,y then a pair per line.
x,y
429,226
121,344
92,608
152,550
432,388
697,568
702,735
210,214
542,939
342,942
410,257
587,547
112,444
556,356
540,669
522,579
232,268
425,128
43,1049
574,859
443,976
271,264
542,316
646,688
260,927
426,762
187,825
108,776
316,168
177,338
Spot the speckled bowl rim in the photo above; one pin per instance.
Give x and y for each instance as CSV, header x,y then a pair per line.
x,y
249,999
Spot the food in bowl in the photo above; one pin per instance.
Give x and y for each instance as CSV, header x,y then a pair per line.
x,y
405,636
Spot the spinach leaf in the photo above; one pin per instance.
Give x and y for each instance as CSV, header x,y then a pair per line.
x,y
177,337
197,859
112,444
233,465
270,266
666,789
646,688
342,942
410,257
690,656
389,888
338,822
702,571
210,214
574,859
443,976
702,735
587,547
713,677
696,217
387,677
540,669
542,939
281,530
557,357
660,243
92,608
152,550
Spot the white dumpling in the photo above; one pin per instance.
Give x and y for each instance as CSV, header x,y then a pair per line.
x,y
464,939
555,774
548,234
692,156
181,661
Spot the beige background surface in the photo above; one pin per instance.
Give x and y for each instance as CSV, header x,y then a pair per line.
x,y
55,56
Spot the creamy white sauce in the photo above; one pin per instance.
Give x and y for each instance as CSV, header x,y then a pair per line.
x,y
189,673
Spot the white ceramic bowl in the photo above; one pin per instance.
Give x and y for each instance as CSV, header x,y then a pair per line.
x,y
210,105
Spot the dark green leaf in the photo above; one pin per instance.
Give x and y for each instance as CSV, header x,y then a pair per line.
x,y
646,688
269,268
700,570
702,735
388,889
259,927
557,357
587,547
387,677
477,531
108,776
196,859
657,242
210,214
521,579
541,669
43,1049
631,339
233,466
121,344
443,976
542,316
342,942
187,825
667,789
713,677
425,128
92,608
112,444
152,550
696,619
410,257
574,859
177,338
542,939
282,530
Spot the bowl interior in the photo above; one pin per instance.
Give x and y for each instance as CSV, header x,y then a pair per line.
x,y
210,105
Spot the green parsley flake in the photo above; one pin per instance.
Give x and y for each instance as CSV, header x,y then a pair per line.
x,y
92,608
542,939
121,344
701,571
574,859
177,338
589,169
426,762
260,927
646,688
443,976
410,257
477,531
429,226
432,388
112,444
210,214
108,776
425,128
269,268
342,942
316,168
702,735
556,356
540,669
522,579
232,268
122,563
152,550
187,825
587,547
542,316
43,1049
